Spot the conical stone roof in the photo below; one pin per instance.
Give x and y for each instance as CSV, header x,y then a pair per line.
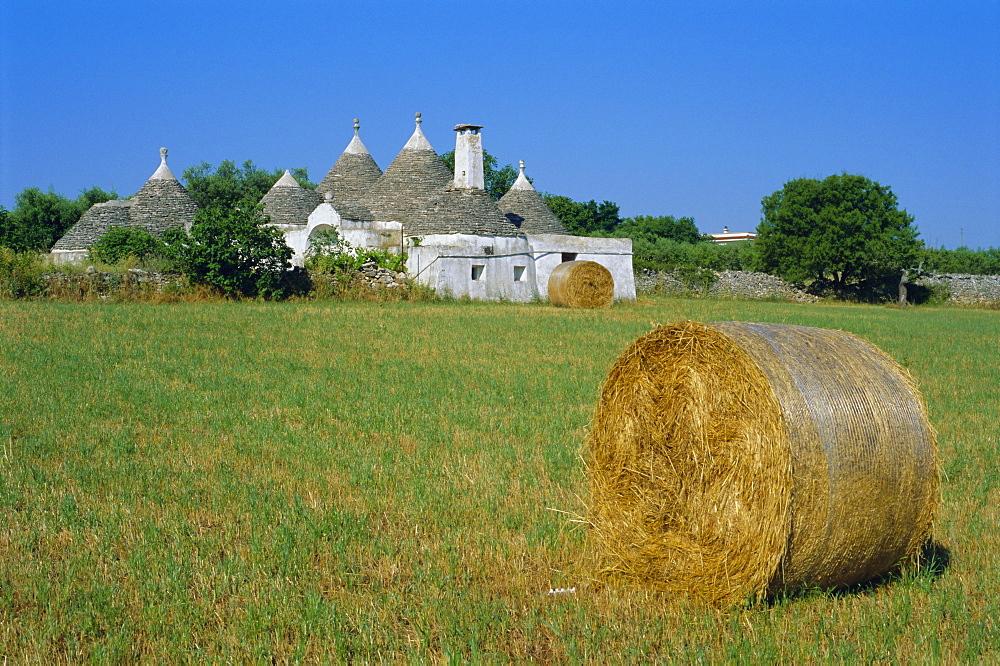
x,y
469,211
162,202
95,223
287,202
525,209
406,192
350,177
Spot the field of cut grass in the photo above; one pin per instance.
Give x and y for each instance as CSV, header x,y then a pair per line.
x,y
349,481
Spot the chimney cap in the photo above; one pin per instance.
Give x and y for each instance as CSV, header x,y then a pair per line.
x,y
463,128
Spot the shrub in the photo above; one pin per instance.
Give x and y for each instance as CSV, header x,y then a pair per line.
x,y
20,274
233,252
329,253
121,242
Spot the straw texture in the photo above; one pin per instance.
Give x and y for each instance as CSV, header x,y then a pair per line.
x,y
581,284
734,460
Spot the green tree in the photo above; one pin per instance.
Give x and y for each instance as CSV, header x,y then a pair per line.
x,y
229,185
587,218
844,231
41,218
662,226
496,179
233,251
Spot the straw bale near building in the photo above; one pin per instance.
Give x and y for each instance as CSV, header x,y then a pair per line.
x,y
581,284
734,460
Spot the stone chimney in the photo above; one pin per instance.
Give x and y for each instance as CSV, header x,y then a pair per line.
x,y
469,157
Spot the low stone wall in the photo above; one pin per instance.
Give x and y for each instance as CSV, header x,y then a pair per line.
x,y
100,284
723,284
965,289
93,282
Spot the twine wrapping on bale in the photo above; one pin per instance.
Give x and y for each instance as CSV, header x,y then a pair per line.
x,y
581,284
734,460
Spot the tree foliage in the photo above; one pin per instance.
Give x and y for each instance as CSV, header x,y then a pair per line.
x,y
587,218
653,228
229,186
233,251
121,242
40,218
496,179
844,231
962,260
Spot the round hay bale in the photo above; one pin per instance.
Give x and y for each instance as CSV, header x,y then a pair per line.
x,y
581,284
734,460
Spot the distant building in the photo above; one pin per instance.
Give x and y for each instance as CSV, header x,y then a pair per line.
x,y
728,236
458,241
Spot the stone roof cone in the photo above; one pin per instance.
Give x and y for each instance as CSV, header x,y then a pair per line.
x,y
350,177
526,209
406,192
162,202
287,202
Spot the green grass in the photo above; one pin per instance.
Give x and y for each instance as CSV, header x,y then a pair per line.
x,y
338,481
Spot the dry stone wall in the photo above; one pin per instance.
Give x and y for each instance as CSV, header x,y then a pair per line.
x,y
725,284
965,289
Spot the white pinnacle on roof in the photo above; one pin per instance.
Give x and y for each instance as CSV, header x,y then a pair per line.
x,y
286,180
522,182
163,172
355,146
418,141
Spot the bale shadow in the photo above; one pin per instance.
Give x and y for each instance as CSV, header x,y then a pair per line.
x,y
931,563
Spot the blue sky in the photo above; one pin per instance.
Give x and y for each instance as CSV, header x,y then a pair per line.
x,y
666,108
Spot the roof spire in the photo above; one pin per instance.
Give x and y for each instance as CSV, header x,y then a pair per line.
x,y
287,180
163,172
522,182
355,146
418,141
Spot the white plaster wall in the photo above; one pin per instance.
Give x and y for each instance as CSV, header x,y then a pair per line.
x,y
615,254
65,257
445,263
379,235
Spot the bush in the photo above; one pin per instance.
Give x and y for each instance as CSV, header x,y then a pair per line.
x,y
329,253
233,252
121,242
20,274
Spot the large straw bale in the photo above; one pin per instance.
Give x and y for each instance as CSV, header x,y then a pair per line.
x,y
734,460
581,284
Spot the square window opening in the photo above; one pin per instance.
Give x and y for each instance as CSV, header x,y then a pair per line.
x,y
477,272
568,256
518,273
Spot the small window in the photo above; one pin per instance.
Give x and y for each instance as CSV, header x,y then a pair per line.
x,y
477,272
488,250
518,273
568,256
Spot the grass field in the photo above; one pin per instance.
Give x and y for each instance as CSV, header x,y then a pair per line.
x,y
349,481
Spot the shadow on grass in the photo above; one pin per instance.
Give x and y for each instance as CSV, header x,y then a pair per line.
x,y
931,563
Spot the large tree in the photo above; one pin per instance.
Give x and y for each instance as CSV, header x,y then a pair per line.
x,y
227,185
845,231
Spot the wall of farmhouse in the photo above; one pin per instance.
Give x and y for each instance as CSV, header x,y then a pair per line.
x,y
379,235
615,254
480,267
